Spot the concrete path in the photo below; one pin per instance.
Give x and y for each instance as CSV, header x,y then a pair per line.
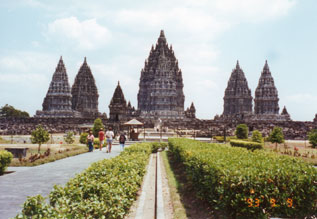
x,y
30,181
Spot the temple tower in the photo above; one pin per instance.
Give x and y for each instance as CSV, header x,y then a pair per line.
x,y
161,84
191,111
57,102
118,105
237,99
85,93
266,95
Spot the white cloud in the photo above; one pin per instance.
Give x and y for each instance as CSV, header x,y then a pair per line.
x,y
87,34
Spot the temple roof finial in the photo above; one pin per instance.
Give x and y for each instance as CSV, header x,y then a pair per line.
x,y
266,66
85,60
238,65
162,37
162,34
118,83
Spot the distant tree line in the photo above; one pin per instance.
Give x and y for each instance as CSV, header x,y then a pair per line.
x,y
8,111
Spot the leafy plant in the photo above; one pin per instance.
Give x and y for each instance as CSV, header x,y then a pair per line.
x,y
107,189
257,136
83,138
250,145
8,111
276,136
69,138
97,126
248,184
312,137
242,131
39,136
5,159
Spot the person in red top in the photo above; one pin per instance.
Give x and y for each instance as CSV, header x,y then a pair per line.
x,y
101,136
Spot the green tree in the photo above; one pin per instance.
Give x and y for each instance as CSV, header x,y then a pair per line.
x,y
257,136
8,111
276,136
242,131
39,136
96,128
69,138
312,137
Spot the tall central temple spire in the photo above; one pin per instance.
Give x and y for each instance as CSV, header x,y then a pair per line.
x,y
161,83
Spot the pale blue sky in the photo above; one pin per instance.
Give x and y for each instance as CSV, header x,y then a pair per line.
x,y
208,36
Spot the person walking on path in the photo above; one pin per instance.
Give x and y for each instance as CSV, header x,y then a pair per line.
x,y
109,136
90,140
101,136
122,140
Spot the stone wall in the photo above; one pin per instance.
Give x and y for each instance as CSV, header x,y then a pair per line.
x,y
200,128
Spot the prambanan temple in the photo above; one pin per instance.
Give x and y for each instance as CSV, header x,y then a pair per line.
x,y
160,96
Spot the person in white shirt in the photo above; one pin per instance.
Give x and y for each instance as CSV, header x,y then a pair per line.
x,y
109,136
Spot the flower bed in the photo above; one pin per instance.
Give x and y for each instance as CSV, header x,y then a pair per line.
x,y
248,184
5,159
106,189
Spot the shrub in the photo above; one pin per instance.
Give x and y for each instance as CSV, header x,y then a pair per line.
x,y
69,138
83,138
158,145
106,189
242,131
5,159
97,143
221,138
39,136
250,145
257,136
248,184
312,137
97,126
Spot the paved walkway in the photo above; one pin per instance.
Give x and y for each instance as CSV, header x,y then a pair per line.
x,y
30,181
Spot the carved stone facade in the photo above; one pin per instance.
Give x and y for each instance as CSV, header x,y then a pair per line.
x,y
191,112
266,95
118,106
237,99
161,84
57,102
85,93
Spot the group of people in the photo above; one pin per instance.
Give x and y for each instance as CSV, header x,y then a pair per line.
x,y
109,136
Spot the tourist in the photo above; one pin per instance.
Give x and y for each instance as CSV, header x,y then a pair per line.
x,y
101,136
122,140
109,136
90,140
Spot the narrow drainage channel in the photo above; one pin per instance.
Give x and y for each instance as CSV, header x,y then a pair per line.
x,y
151,204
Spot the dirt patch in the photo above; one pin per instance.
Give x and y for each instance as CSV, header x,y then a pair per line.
x,y
195,207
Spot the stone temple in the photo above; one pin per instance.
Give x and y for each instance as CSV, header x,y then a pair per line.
x,y
85,93
118,107
237,99
266,95
57,102
161,84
